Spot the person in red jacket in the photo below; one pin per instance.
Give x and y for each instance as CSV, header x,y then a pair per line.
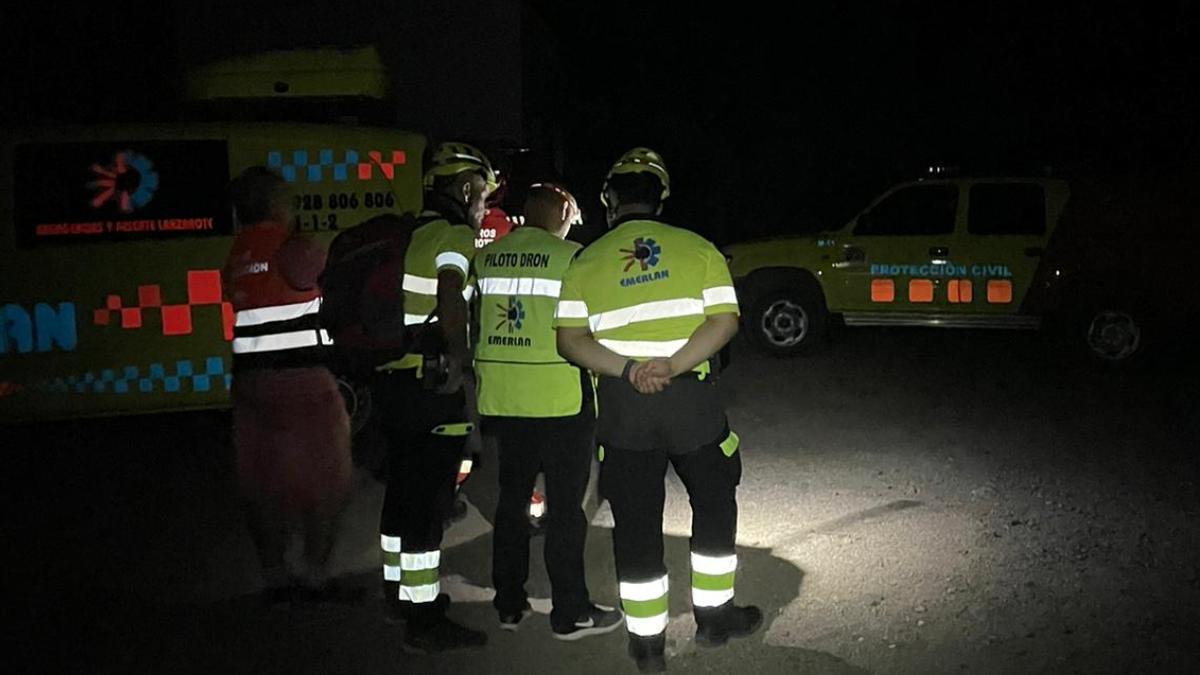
x,y
290,427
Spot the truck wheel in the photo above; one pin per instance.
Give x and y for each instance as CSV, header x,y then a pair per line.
x,y
1113,336
788,321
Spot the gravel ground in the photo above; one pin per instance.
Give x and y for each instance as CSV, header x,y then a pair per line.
x,y
913,502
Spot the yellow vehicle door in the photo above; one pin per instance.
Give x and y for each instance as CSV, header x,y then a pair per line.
x,y
899,251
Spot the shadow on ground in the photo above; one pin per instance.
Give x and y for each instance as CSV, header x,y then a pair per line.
x,y
100,631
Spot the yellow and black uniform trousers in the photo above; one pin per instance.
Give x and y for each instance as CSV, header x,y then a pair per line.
x,y
642,290
424,431
541,412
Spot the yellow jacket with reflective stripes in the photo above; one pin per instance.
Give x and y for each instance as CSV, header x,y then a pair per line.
x,y
644,288
520,373
435,246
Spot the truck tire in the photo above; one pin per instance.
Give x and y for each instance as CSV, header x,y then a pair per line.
x,y
1113,335
1105,330
786,322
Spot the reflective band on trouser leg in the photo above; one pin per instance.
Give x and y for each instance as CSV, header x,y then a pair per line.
x,y
645,605
419,576
391,557
712,579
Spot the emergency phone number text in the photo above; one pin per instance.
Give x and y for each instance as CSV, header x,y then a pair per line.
x,y
343,200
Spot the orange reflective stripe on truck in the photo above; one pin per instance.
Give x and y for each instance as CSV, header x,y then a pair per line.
x,y
999,291
920,290
959,291
883,290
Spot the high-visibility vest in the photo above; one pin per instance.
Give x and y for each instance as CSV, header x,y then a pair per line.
x,y
275,323
519,371
644,287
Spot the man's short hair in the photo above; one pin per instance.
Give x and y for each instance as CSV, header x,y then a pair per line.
x,y
544,203
258,194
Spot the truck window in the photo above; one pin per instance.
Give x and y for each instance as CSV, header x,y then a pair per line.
x,y
914,210
1007,208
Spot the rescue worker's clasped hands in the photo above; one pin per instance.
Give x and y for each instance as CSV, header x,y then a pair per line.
x,y
651,377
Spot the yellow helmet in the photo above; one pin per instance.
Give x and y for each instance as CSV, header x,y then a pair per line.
x,y
639,160
451,159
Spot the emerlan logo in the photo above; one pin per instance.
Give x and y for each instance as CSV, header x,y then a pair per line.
x,y
513,314
645,252
504,341
645,278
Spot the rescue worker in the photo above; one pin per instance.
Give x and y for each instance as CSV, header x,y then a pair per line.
x,y
291,431
493,226
540,411
421,400
646,307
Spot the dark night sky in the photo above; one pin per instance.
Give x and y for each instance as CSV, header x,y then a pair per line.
x,y
769,121
803,116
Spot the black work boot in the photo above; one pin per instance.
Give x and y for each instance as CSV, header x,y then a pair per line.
x,y
648,652
715,625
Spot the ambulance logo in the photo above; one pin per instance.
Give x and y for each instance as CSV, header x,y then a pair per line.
x,y
645,252
129,182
